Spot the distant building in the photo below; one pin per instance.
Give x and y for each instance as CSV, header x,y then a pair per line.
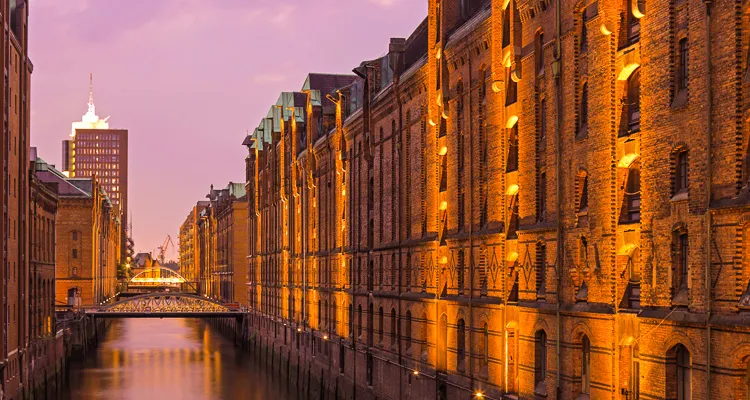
x,y
41,278
95,150
88,238
189,251
222,245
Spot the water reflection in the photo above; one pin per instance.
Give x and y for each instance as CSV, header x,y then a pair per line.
x,y
170,358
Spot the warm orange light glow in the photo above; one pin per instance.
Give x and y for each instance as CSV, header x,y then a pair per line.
x,y
605,30
512,189
416,373
443,205
432,123
511,121
443,151
479,395
443,260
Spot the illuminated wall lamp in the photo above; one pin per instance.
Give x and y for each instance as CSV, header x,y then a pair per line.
x,y
443,151
443,260
496,86
511,121
443,205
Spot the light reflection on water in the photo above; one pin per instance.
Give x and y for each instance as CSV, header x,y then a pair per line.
x,y
182,359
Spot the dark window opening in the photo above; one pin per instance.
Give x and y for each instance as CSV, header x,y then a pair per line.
x,y
682,67
681,172
512,162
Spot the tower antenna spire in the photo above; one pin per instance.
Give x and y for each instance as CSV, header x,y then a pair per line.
x,y
91,93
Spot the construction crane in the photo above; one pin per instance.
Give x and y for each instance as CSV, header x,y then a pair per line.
x,y
163,248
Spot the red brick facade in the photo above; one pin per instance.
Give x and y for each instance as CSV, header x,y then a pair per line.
x,y
525,198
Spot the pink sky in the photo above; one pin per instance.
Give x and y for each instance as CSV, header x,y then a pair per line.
x,y
188,78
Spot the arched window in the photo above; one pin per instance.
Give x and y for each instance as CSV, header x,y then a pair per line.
x,y
680,172
461,343
75,253
351,320
486,345
370,324
442,343
539,52
632,197
582,192
679,374
633,23
680,248
540,356
585,365
424,336
633,103
512,162
513,220
506,27
359,320
407,330
380,325
584,43
393,326
542,123
541,197
682,65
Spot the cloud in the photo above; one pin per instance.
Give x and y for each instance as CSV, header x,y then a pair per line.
x,y
385,3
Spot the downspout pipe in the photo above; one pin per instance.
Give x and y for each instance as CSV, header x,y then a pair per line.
x,y
557,72
709,183
471,234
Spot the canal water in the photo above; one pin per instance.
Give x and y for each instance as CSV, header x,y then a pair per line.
x,y
180,359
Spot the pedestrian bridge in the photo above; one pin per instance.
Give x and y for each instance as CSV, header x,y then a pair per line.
x,y
158,276
164,305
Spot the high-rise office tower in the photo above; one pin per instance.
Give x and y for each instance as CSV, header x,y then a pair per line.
x,y
96,150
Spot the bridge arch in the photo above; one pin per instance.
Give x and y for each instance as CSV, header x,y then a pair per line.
x,y
158,275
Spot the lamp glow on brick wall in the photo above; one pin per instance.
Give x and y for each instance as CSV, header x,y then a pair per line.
x,y
443,151
443,205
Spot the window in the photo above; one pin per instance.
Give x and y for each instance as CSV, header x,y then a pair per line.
x,y
679,371
512,162
633,194
540,357
75,235
584,44
380,325
486,347
75,253
585,365
511,89
539,52
681,172
359,320
633,23
633,103
506,27
461,344
442,343
541,269
513,220
541,201
407,330
584,117
542,123
680,250
437,21
393,327
583,192
682,65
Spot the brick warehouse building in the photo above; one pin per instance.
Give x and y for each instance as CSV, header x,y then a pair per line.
x,y
14,180
531,199
189,250
213,245
87,239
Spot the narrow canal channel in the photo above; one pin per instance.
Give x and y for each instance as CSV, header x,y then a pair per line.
x,y
167,359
